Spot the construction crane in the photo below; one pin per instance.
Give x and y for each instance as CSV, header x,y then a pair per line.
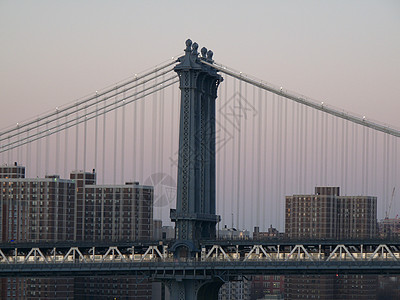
x,y
390,204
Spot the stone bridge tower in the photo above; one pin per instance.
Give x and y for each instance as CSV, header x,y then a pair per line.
x,y
195,214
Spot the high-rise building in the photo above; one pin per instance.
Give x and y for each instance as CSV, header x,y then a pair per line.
x,y
51,209
35,210
112,213
327,215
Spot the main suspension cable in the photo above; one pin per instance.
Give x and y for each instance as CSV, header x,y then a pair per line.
x,y
361,120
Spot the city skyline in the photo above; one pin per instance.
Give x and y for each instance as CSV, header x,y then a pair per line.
x,y
227,145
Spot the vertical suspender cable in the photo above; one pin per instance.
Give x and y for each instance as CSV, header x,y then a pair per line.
x,y
28,154
134,138
104,143
355,158
285,159
306,145
173,137
141,156
297,149
396,166
302,137
76,138
279,165
224,177
38,152
85,142
265,189
115,141
123,144
367,162
385,179
272,193
292,146
239,118
18,146
252,187
47,150
326,150
313,148
394,162
233,160
242,182
161,136
300,149
9,153
342,179
387,168
84,170
2,155
218,158
58,144
96,138
66,148
322,150
336,151
363,162
346,163
95,148
375,161
259,157
154,135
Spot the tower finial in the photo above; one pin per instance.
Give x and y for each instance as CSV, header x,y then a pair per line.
x,y
204,52
210,55
188,45
195,46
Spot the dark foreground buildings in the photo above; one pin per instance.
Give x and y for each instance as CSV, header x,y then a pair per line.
x,y
52,209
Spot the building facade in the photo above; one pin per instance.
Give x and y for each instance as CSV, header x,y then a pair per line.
x,y
327,215
389,228
51,209
267,286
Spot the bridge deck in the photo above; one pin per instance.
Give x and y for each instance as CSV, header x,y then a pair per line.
x,y
225,257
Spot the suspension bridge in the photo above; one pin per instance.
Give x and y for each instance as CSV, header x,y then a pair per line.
x,y
226,159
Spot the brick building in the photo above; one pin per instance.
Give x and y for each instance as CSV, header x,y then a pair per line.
x,y
327,215
51,209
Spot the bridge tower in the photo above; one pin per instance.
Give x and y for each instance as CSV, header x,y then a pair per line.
x,y
195,214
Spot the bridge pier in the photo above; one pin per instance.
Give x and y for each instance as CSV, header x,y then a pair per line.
x,y
193,289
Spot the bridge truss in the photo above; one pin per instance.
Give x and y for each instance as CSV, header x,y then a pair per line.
x,y
219,258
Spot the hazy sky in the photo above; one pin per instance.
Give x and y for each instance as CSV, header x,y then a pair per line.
x,y
346,53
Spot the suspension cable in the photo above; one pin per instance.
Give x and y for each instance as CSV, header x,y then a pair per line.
x,y
74,109
305,100
78,119
90,98
104,111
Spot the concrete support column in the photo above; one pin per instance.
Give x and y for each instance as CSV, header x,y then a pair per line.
x,y
193,289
